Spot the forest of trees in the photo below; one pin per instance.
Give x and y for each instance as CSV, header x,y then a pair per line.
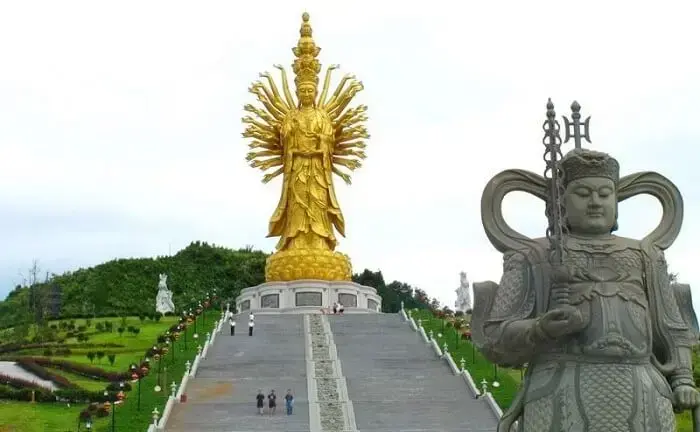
x,y
129,286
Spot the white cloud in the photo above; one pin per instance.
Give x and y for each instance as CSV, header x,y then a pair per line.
x,y
134,110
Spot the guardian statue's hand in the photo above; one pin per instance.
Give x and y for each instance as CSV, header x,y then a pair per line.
x,y
686,397
561,322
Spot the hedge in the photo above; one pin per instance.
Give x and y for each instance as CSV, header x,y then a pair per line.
x,y
77,368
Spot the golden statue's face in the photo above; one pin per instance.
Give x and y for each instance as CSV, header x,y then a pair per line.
x,y
306,94
591,205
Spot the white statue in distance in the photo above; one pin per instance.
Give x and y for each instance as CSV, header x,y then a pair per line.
x,y
464,295
164,299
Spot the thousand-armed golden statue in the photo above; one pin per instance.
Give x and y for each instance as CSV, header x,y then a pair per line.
x,y
308,140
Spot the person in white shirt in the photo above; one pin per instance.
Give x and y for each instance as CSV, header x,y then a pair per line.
x,y
251,324
341,308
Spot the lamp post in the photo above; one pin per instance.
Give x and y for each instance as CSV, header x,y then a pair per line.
x,y
158,357
194,317
114,408
136,373
184,330
171,344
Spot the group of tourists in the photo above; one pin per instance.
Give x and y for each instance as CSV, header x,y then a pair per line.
x,y
232,323
272,402
337,309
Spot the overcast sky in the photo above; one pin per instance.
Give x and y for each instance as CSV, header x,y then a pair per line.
x,y
120,132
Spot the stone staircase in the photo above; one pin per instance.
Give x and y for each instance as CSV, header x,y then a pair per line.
x,y
222,395
396,383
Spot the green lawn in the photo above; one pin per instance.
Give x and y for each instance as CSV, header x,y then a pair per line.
x,y
26,417
129,417
134,346
480,368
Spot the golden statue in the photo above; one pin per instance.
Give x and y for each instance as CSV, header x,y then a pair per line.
x,y
309,141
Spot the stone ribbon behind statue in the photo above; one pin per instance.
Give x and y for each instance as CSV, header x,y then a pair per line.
x,y
618,357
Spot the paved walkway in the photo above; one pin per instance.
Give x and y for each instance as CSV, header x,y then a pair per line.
x,y
11,369
396,382
222,395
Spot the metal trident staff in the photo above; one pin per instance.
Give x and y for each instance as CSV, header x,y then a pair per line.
x,y
555,210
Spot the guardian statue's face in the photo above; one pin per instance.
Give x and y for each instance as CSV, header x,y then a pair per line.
x,y
591,205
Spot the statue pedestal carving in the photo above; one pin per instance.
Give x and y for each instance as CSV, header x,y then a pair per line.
x,y
308,296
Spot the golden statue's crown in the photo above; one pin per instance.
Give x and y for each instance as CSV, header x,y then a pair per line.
x,y
306,67
580,163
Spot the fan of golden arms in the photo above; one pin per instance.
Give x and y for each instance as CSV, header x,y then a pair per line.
x,y
306,137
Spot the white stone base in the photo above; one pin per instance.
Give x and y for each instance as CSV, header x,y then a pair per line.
x,y
308,296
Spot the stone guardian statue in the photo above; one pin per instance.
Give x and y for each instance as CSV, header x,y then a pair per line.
x,y
592,314
164,299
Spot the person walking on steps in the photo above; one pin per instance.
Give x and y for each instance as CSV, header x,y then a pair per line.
x,y
260,398
251,324
232,324
272,401
289,401
341,308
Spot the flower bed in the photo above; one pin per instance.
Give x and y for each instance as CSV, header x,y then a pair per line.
x,y
77,368
18,383
31,366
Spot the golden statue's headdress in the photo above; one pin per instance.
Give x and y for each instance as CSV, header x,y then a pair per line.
x,y
306,67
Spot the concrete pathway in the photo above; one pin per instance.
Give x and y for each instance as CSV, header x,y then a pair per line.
x,y
222,395
396,383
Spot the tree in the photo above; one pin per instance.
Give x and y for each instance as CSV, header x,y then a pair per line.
x,y
111,358
30,279
91,356
100,355
120,330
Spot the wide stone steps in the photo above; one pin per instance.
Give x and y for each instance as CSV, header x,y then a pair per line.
x,y
397,384
222,395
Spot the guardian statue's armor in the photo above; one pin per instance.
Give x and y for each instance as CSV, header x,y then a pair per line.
x,y
592,315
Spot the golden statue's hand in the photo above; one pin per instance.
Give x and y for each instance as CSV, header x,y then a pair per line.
x,y
345,177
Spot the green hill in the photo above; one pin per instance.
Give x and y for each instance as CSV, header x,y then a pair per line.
x,y
129,286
